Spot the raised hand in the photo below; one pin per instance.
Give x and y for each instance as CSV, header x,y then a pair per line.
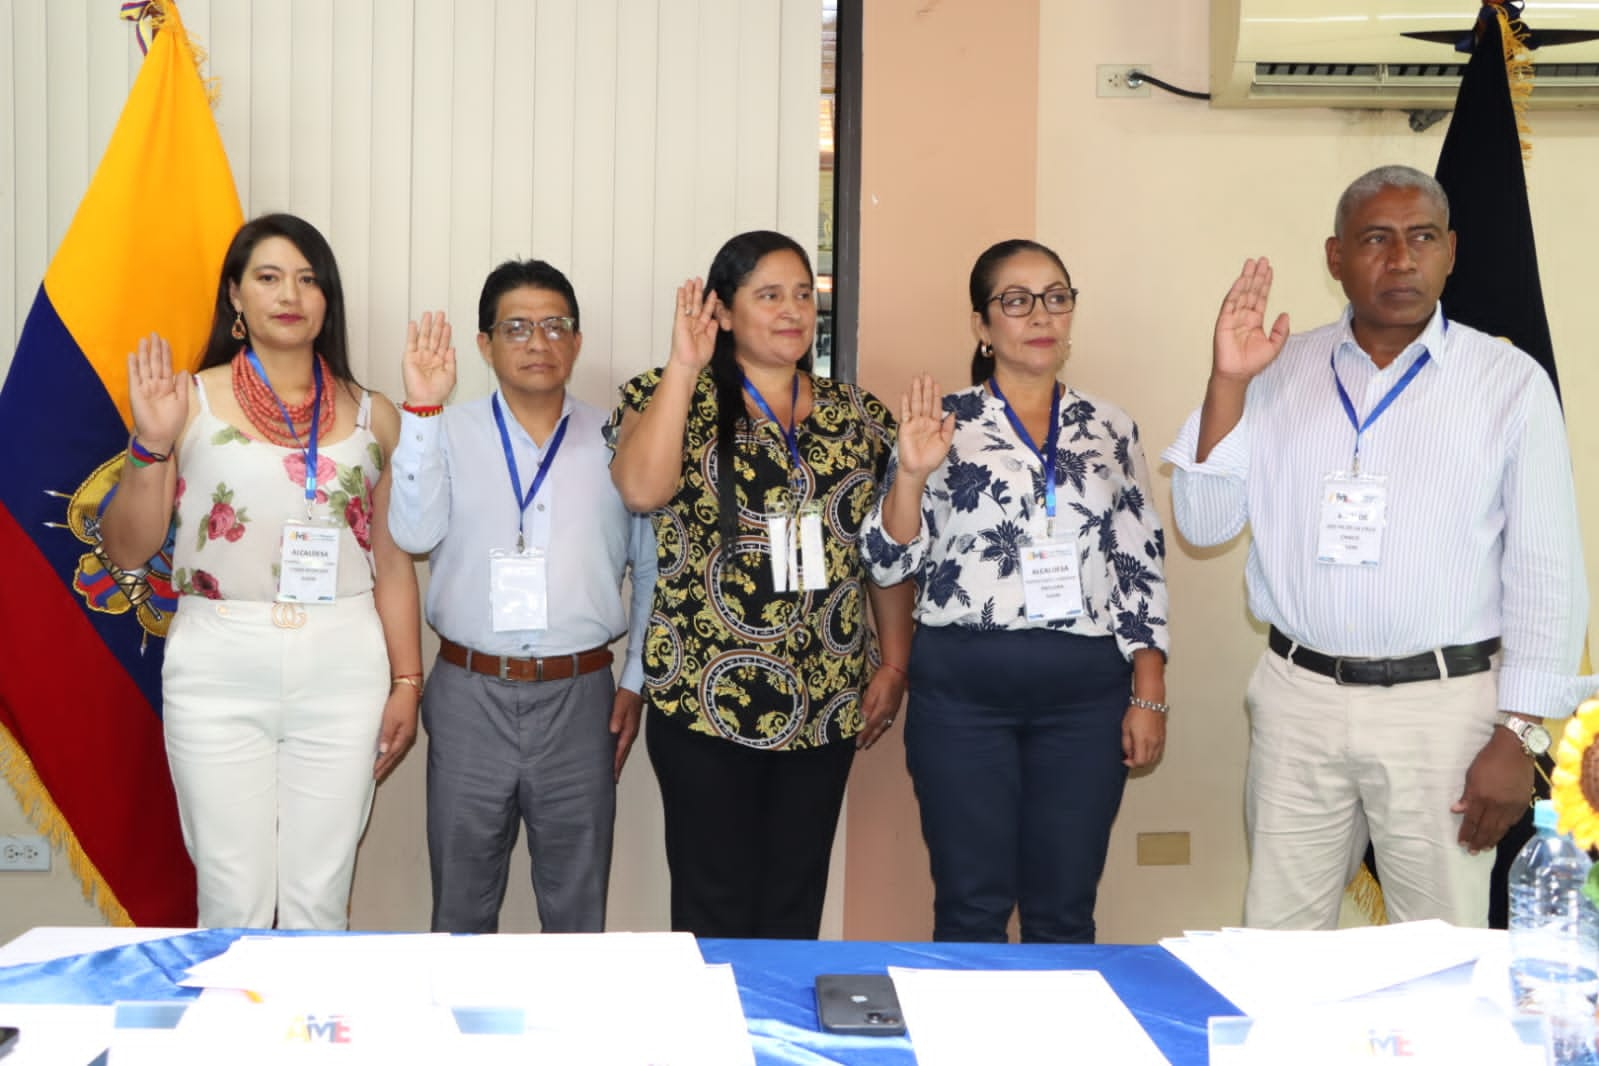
x,y
694,325
925,430
1242,347
428,365
158,397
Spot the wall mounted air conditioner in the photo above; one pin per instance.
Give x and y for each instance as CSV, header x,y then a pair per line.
x,y
1352,53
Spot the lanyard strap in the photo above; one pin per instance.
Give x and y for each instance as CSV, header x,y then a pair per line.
x,y
791,431
1046,454
309,448
554,446
1382,404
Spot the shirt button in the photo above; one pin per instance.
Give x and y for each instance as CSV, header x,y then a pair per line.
x,y
410,477
541,507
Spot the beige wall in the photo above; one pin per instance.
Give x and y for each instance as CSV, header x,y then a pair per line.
x,y
948,158
1154,203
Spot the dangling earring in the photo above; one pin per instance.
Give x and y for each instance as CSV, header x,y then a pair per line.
x,y
988,351
238,332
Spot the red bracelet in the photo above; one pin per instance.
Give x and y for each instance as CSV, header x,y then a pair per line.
x,y
900,670
141,456
423,412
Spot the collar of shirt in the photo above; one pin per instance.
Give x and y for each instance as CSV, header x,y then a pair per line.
x,y
1351,355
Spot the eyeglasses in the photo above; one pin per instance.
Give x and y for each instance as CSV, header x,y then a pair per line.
x,y
556,328
1019,303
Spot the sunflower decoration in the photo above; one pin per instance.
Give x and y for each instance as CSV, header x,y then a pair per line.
x,y
1574,786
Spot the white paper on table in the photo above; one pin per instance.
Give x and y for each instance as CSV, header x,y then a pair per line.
x,y
1019,1017
1422,1031
1262,970
388,970
552,973
52,1034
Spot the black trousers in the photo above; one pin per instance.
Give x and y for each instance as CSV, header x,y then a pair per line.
x,y
749,833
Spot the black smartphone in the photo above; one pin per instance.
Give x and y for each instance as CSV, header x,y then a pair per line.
x,y
8,1039
858,1004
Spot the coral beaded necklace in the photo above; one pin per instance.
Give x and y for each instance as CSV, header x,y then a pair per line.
x,y
261,407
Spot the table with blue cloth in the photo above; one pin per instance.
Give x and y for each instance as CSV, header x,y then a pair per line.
x,y
775,984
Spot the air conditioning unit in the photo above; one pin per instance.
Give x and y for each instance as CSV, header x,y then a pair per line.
x,y
1353,53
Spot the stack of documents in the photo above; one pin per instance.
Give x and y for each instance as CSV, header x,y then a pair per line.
x,y
620,998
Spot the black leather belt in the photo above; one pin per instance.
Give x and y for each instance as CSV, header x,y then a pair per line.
x,y
1458,660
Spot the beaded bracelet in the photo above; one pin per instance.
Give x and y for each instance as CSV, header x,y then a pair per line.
x,y
1150,705
140,457
427,411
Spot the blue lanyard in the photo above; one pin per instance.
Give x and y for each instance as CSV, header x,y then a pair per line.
x,y
1046,454
1382,404
309,448
516,478
790,431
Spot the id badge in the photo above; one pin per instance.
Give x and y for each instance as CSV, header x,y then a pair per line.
x,y
1354,510
780,552
1052,589
812,555
308,563
519,590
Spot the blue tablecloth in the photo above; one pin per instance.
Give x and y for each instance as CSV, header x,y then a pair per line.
x,y
774,982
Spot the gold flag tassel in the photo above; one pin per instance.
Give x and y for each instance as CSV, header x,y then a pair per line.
x,y
1518,69
148,17
41,811
1366,894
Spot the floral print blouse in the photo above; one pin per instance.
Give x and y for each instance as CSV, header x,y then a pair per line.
x,y
987,501
725,655
236,492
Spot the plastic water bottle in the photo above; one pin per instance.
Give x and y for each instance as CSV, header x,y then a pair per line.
x,y
1554,939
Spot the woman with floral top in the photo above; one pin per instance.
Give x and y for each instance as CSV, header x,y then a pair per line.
x,y
293,665
1021,508
759,476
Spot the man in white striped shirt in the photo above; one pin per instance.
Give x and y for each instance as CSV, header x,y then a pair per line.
x,y
1416,553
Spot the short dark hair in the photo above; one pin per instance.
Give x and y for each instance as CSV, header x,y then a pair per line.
x,y
982,282
734,263
333,343
523,274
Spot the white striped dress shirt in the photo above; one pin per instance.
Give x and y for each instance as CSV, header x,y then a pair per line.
x,y
1481,537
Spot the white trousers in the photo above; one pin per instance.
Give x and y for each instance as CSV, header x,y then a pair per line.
x,y
1330,764
271,734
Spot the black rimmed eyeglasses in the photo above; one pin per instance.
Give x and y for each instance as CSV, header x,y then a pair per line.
x,y
1019,303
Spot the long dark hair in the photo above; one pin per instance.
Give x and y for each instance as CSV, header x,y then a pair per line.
x,y
732,266
982,284
333,342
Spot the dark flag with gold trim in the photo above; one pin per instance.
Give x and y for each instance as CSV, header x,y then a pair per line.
x,y
1495,285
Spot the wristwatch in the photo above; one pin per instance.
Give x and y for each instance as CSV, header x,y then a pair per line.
x,y
1535,739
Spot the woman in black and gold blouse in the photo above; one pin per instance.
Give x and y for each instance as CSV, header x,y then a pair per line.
x,y
756,660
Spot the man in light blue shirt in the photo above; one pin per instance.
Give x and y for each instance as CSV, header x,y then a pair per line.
x,y
1416,553
511,495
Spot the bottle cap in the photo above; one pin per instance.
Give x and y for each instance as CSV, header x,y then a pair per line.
x,y
1544,816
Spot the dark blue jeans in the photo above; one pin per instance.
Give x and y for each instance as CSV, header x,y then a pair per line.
x,y
1013,740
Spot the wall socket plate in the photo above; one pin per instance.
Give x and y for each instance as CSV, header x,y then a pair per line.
x,y
1111,80
24,853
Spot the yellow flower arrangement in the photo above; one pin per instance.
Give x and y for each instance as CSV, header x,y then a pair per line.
x,y
1574,786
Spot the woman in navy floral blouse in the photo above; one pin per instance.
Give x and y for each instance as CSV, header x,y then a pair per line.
x,y
1038,665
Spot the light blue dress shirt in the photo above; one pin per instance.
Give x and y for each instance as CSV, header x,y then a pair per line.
x,y
1481,537
451,496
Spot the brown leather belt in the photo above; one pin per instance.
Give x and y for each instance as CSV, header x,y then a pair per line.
x,y
506,668
1459,660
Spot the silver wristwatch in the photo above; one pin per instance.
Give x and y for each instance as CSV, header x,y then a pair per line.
x,y
1535,739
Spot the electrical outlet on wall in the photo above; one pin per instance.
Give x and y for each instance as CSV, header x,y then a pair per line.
x,y
24,853
1113,80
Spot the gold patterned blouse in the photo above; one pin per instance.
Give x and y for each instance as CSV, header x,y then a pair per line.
x,y
725,654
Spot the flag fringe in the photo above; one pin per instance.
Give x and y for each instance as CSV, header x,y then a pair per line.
x,y
41,811
1518,69
156,15
1366,894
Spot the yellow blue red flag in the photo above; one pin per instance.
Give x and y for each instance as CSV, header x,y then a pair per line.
x,y
80,669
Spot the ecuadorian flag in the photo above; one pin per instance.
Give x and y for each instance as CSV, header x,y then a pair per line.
x,y
80,668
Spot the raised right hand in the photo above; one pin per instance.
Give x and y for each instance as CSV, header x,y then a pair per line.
x,y
1242,347
428,365
925,430
694,325
158,398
